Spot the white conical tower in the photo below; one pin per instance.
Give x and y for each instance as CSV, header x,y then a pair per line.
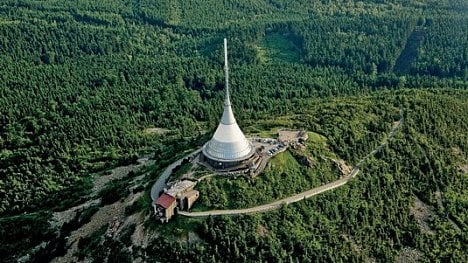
x,y
228,144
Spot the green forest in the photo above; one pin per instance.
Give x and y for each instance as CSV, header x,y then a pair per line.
x,y
82,82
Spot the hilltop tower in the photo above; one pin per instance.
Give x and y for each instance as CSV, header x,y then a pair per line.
x,y
228,147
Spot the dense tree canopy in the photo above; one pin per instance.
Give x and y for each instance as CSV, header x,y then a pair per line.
x,y
81,81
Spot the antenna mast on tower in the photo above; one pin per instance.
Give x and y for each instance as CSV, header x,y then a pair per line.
x,y
227,100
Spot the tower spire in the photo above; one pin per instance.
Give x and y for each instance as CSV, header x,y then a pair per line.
x,y
227,99
228,115
228,147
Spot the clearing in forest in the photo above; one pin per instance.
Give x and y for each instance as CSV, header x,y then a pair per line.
x,y
155,131
279,47
410,52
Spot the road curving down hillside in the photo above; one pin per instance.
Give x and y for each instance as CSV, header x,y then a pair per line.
x,y
301,196
160,184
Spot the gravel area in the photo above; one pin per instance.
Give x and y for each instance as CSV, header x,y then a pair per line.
x,y
113,214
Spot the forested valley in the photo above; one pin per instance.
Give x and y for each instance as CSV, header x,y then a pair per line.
x,y
83,83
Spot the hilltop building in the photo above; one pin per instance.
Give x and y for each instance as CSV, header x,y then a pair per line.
x,y
228,149
180,196
164,207
294,138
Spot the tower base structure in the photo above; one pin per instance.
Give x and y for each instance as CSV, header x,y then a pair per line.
x,y
228,149
248,165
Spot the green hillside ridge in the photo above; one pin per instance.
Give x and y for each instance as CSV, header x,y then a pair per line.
x,y
81,80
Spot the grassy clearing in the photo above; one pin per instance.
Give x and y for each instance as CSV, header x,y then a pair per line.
x,y
317,138
278,47
318,146
269,128
285,175
253,131
283,162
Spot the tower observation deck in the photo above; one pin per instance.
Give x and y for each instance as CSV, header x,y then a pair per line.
x,y
228,147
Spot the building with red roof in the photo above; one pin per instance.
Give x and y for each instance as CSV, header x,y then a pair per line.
x,y
180,196
165,200
164,207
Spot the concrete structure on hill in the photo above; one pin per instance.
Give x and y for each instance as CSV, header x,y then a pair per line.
x,y
164,207
180,197
228,148
294,138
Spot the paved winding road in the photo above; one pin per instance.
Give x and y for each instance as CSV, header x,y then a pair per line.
x,y
159,185
301,196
